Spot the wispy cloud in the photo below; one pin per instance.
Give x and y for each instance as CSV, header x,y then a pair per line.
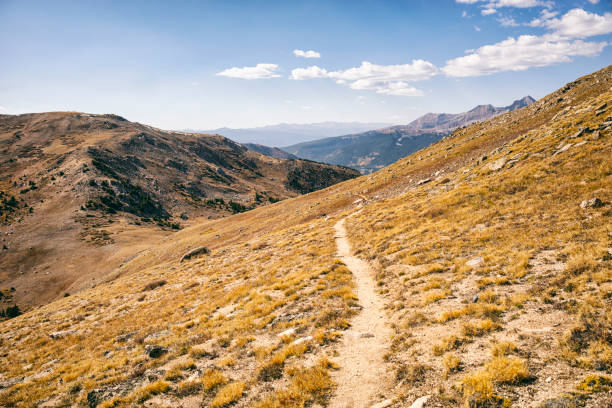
x,y
578,23
491,6
564,41
306,54
507,21
260,71
519,54
383,79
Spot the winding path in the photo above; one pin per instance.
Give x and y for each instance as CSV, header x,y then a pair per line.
x,y
363,376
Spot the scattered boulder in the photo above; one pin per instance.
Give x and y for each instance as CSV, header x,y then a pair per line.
x,y
497,164
11,382
595,135
383,404
366,335
563,148
592,203
475,298
424,181
474,262
94,397
302,340
61,334
420,402
155,336
195,252
581,132
287,333
155,351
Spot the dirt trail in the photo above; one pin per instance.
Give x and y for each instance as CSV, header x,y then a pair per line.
x,y
363,376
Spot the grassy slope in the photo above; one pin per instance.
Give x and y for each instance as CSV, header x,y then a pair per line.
x,y
543,288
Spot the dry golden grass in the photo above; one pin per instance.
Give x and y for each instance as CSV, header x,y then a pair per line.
x,y
227,394
486,232
274,268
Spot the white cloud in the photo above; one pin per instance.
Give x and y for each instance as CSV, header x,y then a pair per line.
x,y
418,70
464,14
308,73
593,1
544,16
257,72
400,88
507,21
477,28
578,23
491,6
519,54
307,107
306,54
520,3
383,79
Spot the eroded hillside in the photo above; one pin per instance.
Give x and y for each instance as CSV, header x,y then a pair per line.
x,y
491,250
81,194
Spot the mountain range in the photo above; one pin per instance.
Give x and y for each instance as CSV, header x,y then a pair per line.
x,y
374,149
291,133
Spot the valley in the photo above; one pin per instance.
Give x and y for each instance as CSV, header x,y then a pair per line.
x,y
477,270
83,194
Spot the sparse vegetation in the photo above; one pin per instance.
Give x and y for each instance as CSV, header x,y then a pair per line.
x,y
493,280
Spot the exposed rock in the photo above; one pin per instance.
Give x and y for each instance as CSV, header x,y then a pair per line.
x,y
155,351
497,164
581,132
61,334
302,340
595,135
195,252
94,397
592,203
474,262
563,148
157,335
10,382
383,404
420,402
124,337
288,332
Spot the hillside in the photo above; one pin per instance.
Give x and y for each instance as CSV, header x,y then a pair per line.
x,y
475,272
84,193
269,151
372,150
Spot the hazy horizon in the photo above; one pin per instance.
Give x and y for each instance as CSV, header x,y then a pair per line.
x,y
242,65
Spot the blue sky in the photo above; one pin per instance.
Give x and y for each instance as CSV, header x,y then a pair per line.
x,y
195,64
